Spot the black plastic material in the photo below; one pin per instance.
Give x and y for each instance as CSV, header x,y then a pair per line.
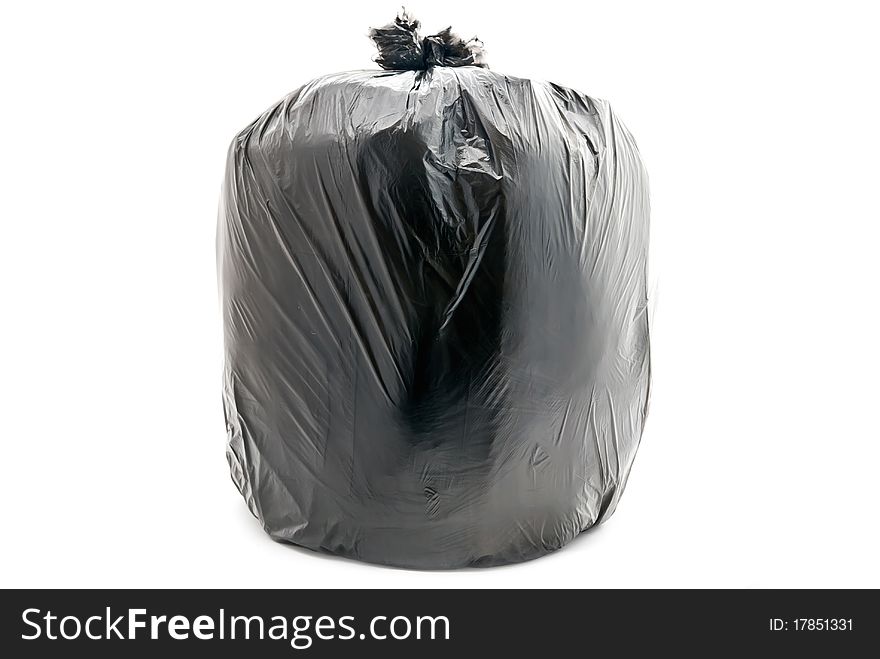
x,y
401,48
433,284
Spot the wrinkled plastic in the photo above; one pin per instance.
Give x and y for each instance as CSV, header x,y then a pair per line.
x,y
433,287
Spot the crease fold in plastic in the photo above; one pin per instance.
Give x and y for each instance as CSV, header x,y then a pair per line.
x,y
433,287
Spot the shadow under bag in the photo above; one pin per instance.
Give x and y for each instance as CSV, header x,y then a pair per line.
x,y
433,284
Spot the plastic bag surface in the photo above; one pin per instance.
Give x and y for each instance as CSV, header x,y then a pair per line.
x,y
433,287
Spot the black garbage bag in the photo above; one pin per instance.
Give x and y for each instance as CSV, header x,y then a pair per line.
x,y
433,284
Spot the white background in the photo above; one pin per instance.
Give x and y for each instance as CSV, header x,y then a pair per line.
x,y
758,122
